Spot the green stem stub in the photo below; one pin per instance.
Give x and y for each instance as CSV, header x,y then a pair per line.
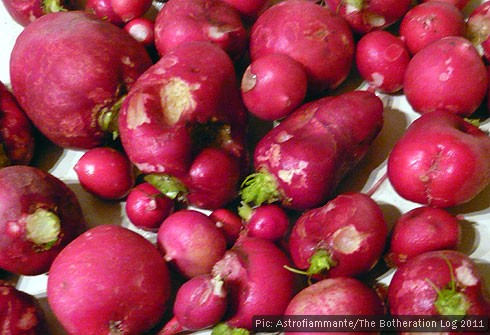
x,y
259,188
52,6
357,4
320,261
108,117
224,329
168,185
43,228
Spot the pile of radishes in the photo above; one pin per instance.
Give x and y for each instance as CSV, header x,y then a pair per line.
x,y
228,130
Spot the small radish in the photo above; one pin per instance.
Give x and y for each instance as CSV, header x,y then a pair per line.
x,y
103,10
229,222
128,10
142,30
106,173
267,221
420,230
191,242
146,207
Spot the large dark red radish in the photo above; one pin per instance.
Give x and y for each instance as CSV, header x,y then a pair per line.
x,y
69,71
420,230
17,137
110,280
312,35
39,216
450,169
300,162
344,237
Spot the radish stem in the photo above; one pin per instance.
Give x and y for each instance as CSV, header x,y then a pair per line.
x,y
43,228
168,185
258,188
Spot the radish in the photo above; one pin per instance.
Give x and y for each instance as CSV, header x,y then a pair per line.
x,y
450,169
17,139
191,242
200,303
312,35
300,162
142,29
448,74
215,21
106,173
443,282
478,31
365,16
128,10
273,86
420,230
230,223
256,280
146,207
21,313
345,237
25,11
250,9
460,4
382,59
110,280
267,221
429,22
184,125
70,92
39,216
103,10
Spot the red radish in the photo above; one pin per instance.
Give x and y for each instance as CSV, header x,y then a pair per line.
x,y
342,296
267,221
250,9
420,230
429,22
443,282
128,10
230,223
215,21
69,93
142,29
478,28
21,314
460,4
449,75
382,59
103,10
106,173
309,33
26,11
256,280
183,119
365,16
110,280
345,237
17,140
273,86
39,216
450,169
191,242
146,207
200,303
300,162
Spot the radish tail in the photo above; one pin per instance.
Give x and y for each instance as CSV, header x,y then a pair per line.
x,y
172,327
377,185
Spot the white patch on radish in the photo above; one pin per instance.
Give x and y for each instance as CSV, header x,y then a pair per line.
x,y
136,111
272,155
13,228
348,239
375,20
283,136
415,285
349,9
127,61
465,275
176,98
444,76
138,32
27,320
217,33
288,175
150,167
377,79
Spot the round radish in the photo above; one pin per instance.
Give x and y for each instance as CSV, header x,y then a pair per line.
x,y
191,242
460,4
103,10
420,230
146,207
110,280
429,22
39,216
382,59
267,221
130,9
478,28
250,9
449,75
26,11
105,172
273,86
142,29
230,223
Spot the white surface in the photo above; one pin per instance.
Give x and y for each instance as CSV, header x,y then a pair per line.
x,y
476,224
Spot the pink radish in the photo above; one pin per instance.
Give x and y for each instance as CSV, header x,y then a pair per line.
x,y
460,4
478,32
230,223
26,11
142,29
103,10
267,221
250,9
128,10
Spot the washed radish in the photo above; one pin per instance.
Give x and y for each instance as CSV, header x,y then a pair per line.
x,y
420,230
110,280
477,31
103,10
309,33
17,137
450,169
70,71
39,216
105,172
449,75
142,29
230,223
273,86
146,207
345,237
191,242
26,11
215,21
199,303
258,284
128,10
267,221
300,162
382,59
429,22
